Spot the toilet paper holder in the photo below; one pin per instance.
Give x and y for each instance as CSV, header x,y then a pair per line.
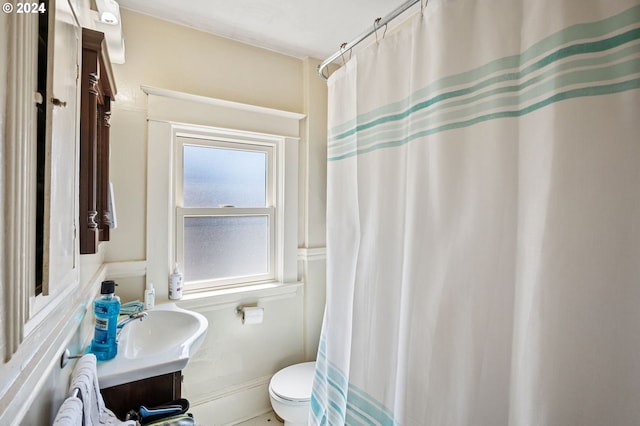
x,y
240,308
250,314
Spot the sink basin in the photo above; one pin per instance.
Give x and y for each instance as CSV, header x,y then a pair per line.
x,y
162,343
162,331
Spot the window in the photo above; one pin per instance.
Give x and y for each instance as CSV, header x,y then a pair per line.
x,y
225,211
189,219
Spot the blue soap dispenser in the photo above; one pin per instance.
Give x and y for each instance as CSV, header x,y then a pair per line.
x,y
106,309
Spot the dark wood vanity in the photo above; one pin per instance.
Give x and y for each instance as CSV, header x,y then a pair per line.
x,y
148,392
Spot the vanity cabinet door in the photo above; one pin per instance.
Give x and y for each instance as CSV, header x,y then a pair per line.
x,y
149,392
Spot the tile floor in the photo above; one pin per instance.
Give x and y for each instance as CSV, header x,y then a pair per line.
x,y
268,419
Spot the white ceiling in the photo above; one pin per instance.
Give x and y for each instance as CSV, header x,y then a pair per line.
x,y
299,28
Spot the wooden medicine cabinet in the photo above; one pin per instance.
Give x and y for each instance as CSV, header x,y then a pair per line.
x,y
97,91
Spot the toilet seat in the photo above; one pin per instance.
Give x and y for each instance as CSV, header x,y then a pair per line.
x,y
293,384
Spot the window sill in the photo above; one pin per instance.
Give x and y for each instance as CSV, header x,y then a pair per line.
x,y
230,297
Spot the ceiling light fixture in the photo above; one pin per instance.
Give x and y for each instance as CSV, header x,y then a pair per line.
x,y
108,11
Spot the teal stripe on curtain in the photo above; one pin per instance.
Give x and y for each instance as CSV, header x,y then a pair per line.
x,y
548,75
581,32
351,405
569,94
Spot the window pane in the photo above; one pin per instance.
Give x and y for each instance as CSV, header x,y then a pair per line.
x,y
225,246
214,177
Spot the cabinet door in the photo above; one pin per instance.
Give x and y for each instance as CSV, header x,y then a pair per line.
x,y
97,89
150,392
61,193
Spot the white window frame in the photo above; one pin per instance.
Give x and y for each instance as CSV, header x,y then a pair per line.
x,y
171,114
270,210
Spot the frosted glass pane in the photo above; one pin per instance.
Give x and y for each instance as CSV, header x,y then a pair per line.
x,y
213,177
226,246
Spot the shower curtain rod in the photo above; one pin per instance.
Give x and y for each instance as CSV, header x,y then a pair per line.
x,y
380,22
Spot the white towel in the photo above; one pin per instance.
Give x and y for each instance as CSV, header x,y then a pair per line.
x,y
113,221
85,378
70,413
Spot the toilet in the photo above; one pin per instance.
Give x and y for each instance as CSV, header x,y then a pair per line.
x,y
290,393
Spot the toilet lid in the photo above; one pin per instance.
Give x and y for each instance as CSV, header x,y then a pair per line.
x,y
294,383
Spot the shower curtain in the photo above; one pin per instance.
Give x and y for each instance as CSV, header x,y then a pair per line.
x,y
483,242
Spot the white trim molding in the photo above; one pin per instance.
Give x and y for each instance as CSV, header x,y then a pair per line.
x,y
136,268
18,177
230,297
172,114
309,254
149,90
28,371
186,108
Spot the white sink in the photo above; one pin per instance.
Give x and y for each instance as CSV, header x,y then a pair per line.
x,y
161,343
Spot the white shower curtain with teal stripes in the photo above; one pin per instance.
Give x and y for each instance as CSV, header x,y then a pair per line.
x,y
484,220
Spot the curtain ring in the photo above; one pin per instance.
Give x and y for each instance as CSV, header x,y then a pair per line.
x,y
375,27
342,46
342,49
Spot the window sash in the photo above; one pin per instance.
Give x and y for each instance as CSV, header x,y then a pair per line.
x,y
197,140
269,212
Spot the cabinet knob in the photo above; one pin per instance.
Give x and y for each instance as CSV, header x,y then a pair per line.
x,y
57,102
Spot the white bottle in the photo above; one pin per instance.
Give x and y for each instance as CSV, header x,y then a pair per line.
x,y
149,297
175,284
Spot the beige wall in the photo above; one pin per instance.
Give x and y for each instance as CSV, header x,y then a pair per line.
x,y
170,56
226,381
163,54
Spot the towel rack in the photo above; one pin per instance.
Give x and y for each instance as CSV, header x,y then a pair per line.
x,y
66,356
